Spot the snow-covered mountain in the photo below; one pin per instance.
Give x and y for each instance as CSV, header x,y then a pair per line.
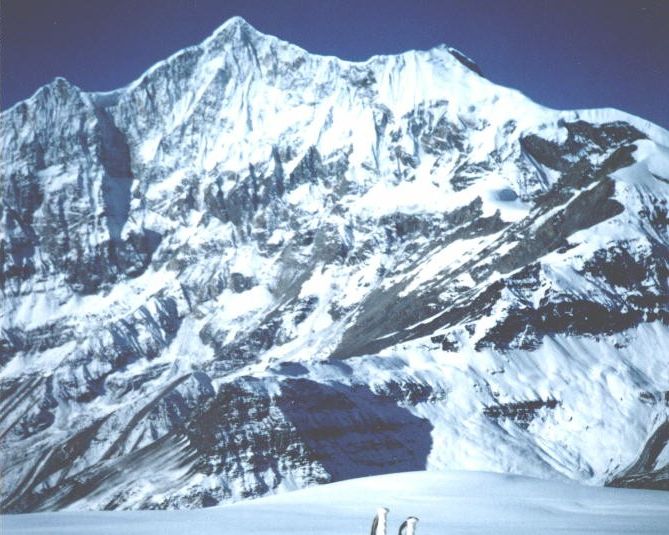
x,y
257,269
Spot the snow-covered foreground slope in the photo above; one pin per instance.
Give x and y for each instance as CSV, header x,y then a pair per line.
x,y
445,503
255,269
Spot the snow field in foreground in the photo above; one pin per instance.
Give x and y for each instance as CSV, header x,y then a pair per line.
x,y
445,502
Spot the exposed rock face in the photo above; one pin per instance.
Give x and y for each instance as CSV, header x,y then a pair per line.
x,y
256,269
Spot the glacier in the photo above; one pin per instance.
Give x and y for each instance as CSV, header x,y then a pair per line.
x,y
256,269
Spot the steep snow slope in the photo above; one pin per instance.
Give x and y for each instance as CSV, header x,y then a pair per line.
x,y
256,269
451,502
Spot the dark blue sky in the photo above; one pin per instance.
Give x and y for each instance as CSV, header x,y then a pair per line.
x,y
564,54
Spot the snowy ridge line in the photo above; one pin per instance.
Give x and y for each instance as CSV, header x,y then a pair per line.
x,y
595,115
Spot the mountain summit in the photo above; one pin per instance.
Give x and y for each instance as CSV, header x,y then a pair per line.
x,y
256,269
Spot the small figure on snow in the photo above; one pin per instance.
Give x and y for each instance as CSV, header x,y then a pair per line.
x,y
380,521
408,527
